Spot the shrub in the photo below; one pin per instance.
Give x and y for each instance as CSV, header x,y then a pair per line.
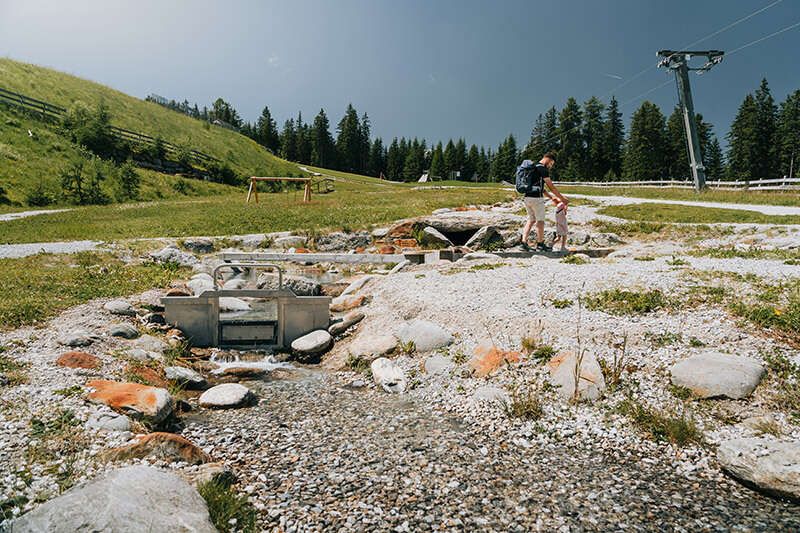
x,y
128,182
524,404
559,303
229,511
222,173
38,196
625,302
182,186
678,430
91,128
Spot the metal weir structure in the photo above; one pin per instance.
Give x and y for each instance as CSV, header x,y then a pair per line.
x,y
678,61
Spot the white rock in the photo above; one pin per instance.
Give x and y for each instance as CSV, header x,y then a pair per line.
x,y
425,335
474,256
108,421
199,285
185,376
127,500
356,285
203,275
713,374
438,364
388,375
77,337
292,241
772,465
142,355
400,266
226,395
490,393
171,254
232,305
119,307
313,343
148,343
234,284
350,319
563,371
124,330
432,236
372,346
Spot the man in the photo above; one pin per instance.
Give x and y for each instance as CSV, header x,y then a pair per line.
x,y
535,202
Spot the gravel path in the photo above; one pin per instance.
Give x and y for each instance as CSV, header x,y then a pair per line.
x,y
69,247
25,214
625,200
317,456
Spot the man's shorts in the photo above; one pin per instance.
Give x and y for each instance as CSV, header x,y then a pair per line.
x,y
535,208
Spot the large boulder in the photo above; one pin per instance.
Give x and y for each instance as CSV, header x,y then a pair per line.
x,y
346,303
369,347
388,375
119,307
771,465
151,404
425,335
160,446
127,500
433,238
563,370
299,285
484,238
172,254
226,396
458,221
310,347
713,374
339,241
349,320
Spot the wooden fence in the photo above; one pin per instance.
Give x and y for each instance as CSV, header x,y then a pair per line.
x,y
782,184
51,111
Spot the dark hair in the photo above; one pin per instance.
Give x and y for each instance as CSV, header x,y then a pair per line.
x,y
550,155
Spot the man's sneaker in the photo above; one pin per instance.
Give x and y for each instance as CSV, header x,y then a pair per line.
x,y
526,247
542,247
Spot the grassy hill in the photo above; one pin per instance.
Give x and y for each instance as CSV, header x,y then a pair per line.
x,y
26,160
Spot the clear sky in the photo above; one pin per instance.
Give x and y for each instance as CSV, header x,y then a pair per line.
x,y
433,69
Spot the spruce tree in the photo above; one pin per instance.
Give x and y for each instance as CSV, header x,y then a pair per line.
x,y
483,165
415,160
766,165
504,163
715,165
613,139
571,154
550,141
437,163
676,151
377,158
348,141
449,158
323,150
394,161
460,157
364,140
266,131
594,165
644,152
289,141
742,143
789,135
535,147
471,164
302,140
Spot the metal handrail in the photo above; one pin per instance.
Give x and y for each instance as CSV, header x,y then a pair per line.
x,y
250,265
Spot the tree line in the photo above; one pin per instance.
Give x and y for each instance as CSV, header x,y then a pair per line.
x,y
590,140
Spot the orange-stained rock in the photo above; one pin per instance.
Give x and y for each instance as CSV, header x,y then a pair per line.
x,y
302,251
386,249
402,230
487,358
360,249
406,243
147,375
79,360
345,303
151,404
179,291
163,446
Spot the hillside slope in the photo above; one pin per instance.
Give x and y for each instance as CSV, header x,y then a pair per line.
x,y
25,160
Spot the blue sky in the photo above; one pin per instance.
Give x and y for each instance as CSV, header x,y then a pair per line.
x,y
433,69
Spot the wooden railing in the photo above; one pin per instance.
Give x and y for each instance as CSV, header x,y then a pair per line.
x,y
781,184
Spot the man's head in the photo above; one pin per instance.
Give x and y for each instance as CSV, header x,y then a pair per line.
x,y
548,160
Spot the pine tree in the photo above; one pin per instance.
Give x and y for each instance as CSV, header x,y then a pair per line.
x,y
223,111
550,141
572,153
437,163
644,155
766,165
483,165
594,165
348,140
449,158
377,158
266,131
676,151
743,147
535,147
323,150
715,165
364,140
460,157
789,135
613,139
289,141
415,160
302,140
471,164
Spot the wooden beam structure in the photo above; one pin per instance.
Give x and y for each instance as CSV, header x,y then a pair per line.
x,y
253,190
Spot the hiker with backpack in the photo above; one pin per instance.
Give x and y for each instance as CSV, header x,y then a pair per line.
x,y
533,180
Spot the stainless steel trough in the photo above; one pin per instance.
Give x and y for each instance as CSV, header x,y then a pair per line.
x,y
275,317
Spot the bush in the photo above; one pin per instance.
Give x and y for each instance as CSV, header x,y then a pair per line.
x,y
91,128
38,196
182,186
4,196
82,183
222,173
229,511
128,182
678,430
623,302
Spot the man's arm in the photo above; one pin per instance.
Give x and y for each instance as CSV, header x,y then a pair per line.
x,y
549,183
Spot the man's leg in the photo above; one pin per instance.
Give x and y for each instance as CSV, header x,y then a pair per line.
x,y
526,231
539,231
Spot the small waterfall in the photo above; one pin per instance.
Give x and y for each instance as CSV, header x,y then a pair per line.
x,y
268,363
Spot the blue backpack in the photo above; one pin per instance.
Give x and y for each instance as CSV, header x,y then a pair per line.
x,y
528,179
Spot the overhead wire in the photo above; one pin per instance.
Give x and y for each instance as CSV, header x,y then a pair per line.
x,y
771,35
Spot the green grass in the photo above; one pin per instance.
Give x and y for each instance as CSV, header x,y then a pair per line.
x,y
643,230
710,195
692,214
39,287
354,205
627,302
731,252
561,303
524,404
678,430
226,506
785,376
777,311
575,259
13,372
244,155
